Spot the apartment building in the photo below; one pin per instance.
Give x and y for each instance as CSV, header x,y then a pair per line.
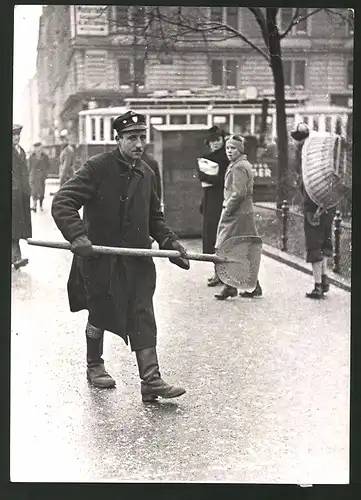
x,y
97,56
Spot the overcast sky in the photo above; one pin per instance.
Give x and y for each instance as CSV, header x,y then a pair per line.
x,y
26,27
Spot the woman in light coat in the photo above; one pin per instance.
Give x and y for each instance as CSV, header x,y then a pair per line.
x,y
237,218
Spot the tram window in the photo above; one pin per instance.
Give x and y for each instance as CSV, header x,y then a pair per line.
x,y
198,119
178,119
315,123
328,123
111,132
242,124
101,129
82,128
93,129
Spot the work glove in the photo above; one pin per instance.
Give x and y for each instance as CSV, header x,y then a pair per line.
x,y
182,261
82,246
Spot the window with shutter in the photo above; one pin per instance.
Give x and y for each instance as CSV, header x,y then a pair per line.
x,y
286,14
231,73
232,17
122,16
139,16
217,72
217,14
300,70
139,71
124,71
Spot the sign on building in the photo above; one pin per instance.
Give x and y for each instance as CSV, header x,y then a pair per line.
x,y
91,20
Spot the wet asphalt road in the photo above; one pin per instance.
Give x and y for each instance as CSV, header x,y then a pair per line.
x,y
267,382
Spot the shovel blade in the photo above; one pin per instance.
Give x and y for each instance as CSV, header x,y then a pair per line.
x,y
243,259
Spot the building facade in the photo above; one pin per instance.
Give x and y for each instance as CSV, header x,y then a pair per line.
x,y
30,113
97,56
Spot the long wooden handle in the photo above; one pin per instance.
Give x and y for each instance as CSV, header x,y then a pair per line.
x,y
134,252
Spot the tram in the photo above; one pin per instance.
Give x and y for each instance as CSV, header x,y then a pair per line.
x,y
176,130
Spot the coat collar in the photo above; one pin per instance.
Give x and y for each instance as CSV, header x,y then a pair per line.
x,y
137,168
135,178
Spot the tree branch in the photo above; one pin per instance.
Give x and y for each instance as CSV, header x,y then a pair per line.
x,y
343,16
261,20
296,20
212,26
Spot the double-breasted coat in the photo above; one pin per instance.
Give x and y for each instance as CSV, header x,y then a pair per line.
x,y
38,171
121,208
237,217
21,216
212,199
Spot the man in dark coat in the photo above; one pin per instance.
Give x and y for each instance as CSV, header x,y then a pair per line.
x,y
38,171
21,216
213,194
317,225
121,209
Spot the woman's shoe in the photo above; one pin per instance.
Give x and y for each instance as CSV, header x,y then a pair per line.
x,y
317,292
257,292
226,291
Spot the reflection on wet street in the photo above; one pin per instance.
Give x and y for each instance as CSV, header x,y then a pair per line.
x,y
267,382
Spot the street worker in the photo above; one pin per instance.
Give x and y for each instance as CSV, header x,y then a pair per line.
x,y
38,171
121,209
66,159
213,186
237,217
317,225
21,216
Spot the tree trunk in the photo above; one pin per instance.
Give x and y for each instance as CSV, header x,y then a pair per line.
x,y
281,123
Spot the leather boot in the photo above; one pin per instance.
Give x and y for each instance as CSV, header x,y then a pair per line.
x,y
257,292
325,283
317,292
96,372
152,384
226,291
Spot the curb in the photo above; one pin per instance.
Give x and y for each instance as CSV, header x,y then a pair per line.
x,y
299,264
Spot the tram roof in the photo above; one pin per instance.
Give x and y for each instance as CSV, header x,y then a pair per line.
x,y
119,110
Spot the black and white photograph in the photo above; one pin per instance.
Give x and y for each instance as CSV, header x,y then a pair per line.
x,y
181,244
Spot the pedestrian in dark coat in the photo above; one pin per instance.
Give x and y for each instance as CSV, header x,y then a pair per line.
x,y
66,159
21,216
317,225
213,193
38,172
237,217
121,209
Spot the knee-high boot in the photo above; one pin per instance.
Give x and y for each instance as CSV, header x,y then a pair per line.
x,y
96,372
152,384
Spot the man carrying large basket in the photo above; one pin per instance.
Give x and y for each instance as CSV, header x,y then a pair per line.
x,y
318,157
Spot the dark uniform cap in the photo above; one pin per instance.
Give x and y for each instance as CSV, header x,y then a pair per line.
x,y
129,121
36,144
17,128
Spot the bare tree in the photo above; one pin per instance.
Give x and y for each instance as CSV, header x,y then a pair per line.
x,y
169,28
